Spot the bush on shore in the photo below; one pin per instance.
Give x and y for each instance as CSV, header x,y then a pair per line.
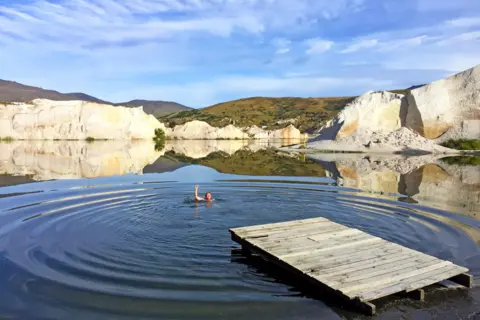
x,y
159,139
6,139
463,144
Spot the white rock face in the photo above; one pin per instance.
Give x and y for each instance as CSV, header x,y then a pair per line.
x,y
448,108
253,130
200,130
372,112
289,132
48,120
378,121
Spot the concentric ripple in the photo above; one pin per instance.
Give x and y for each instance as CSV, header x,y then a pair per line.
x,y
135,249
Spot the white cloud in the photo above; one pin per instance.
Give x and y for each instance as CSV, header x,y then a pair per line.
x,y
465,22
362,44
281,45
318,46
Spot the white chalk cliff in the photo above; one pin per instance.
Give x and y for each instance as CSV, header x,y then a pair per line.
x,y
44,119
48,120
371,112
448,108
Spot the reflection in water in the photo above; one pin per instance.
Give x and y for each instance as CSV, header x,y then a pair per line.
x,y
425,179
131,246
50,160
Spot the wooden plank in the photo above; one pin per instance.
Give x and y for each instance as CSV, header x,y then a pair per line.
x,y
303,243
295,253
355,287
335,234
348,258
280,230
392,264
278,224
337,247
403,285
434,278
343,268
294,234
355,283
297,260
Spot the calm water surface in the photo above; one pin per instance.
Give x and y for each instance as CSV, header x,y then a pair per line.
x,y
128,242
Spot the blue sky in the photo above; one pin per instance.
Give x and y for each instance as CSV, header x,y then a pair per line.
x,y
201,52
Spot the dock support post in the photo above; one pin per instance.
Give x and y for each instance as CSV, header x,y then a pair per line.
x,y
367,308
463,279
418,295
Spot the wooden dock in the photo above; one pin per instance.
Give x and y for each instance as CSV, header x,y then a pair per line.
x,y
355,265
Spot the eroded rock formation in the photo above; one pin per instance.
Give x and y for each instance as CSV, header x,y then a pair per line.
x,y
371,112
445,109
49,120
449,108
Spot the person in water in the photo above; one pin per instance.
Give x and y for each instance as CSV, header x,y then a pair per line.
x,y
208,195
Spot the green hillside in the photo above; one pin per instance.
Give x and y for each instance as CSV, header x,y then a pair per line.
x,y
308,113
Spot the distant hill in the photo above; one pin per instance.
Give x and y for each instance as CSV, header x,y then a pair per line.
x,y
157,108
307,114
86,97
11,91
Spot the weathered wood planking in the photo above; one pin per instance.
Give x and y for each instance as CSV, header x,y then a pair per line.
x,y
355,265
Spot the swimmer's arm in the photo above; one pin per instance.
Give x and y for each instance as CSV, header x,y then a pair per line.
x,y
197,198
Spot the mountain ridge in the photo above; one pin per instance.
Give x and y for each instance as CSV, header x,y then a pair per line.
x,y
12,91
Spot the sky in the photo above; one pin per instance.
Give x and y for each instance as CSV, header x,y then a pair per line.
x,y
202,52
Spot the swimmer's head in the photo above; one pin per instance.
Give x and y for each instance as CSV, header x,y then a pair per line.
x,y
208,196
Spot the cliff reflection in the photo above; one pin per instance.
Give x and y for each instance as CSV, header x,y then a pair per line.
x,y
428,179
24,161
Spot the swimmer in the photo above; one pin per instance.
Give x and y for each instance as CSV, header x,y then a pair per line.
x,y
208,195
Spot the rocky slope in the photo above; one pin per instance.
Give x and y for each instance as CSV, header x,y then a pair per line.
x,y
383,121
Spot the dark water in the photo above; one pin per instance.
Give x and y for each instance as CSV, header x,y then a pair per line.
x,y
136,246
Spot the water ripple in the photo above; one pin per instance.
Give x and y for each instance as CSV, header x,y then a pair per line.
x,y
145,242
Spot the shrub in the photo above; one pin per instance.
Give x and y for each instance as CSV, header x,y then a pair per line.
x,y
90,139
463,144
159,139
462,160
6,139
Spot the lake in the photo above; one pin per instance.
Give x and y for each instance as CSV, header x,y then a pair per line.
x,y
109,229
